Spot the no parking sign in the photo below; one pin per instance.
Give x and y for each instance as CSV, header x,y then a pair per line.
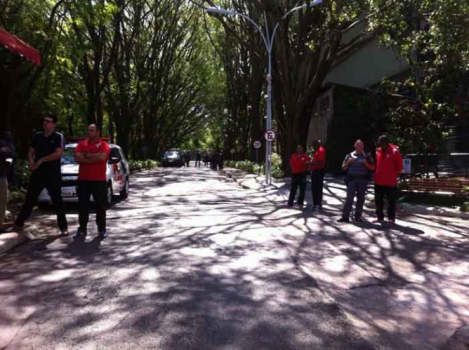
x,y
270,135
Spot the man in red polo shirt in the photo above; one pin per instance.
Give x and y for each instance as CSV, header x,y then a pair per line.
x,y
92,155
299,168
389,165
318,165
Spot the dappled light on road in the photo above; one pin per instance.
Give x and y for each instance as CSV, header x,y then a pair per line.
x,y
194,262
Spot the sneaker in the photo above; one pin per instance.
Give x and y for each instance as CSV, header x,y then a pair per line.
x,y
2,230
289,205
391,222
343,220
64,233
79,234
103,234
359,219
378,221
300,206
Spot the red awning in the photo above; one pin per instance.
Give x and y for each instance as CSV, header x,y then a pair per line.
x,y
17,45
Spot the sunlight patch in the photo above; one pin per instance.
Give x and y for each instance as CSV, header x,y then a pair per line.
x,y
150,274
56,276
201,252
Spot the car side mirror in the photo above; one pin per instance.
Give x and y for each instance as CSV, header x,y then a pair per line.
x,y
114,160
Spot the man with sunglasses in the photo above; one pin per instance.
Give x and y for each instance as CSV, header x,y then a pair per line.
x,y
44,163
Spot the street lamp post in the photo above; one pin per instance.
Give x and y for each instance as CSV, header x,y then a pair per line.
x,y
268,38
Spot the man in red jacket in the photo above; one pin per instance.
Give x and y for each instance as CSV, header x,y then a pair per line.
x,y
318,165
299,168
388,167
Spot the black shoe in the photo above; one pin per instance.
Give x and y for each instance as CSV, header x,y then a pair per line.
x,y
2,230
359,219
343,220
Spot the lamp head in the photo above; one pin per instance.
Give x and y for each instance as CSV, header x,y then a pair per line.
x,y
217,10
315,2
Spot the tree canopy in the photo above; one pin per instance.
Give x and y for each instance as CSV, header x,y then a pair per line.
x,y
159,74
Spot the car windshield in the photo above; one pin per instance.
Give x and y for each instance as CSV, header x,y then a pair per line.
x,y
68,156
171,154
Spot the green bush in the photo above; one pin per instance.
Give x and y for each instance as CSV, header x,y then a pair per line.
x,y
17,196
277,171
139,165
22,173
245,165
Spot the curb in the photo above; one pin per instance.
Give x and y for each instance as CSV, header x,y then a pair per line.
x,y
422,210
10,240
434,211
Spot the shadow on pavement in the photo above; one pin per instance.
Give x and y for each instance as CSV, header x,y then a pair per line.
x,y
219,268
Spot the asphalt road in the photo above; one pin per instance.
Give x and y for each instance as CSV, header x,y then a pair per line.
x,y
195,262
191,262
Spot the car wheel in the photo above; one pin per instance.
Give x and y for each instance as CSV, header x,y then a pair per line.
x,y
109,194
125,191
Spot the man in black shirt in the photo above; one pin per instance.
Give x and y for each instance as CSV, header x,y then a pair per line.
x,y
44,163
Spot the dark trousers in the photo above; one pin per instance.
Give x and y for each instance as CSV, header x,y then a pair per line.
x,y
99,191
358,187
297,180
317,185
390,192
52,183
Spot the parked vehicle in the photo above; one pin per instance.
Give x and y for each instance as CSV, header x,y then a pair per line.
x,y
173,157
117,175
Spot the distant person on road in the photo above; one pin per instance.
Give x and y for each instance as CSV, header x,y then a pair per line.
x,y
198,158
389,165
44,163
217,160
187,159
92,155
206,159
299,167
5,156
318,165
358,166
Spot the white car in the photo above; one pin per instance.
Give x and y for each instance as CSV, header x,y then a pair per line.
x,y
117,175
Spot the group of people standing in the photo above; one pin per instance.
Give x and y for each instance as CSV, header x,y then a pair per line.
x,y
44,158
359,167
213,159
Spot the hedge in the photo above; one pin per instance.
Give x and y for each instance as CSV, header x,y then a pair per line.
x,y
253,168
